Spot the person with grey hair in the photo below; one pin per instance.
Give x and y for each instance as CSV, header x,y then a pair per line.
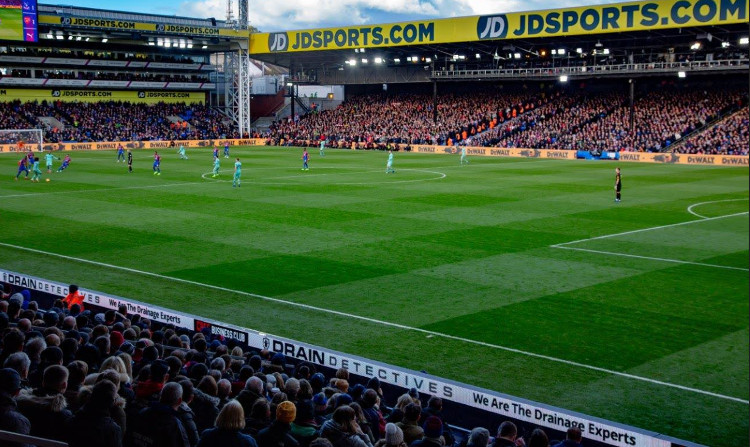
x,y
21,363
479,437
34,348
218,364
159,424
224,387
252,392
291,388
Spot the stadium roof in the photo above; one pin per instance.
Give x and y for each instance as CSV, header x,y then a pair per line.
x,y
622,27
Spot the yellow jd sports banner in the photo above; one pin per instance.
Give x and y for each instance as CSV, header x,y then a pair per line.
x,y
618,17
134,96
129,25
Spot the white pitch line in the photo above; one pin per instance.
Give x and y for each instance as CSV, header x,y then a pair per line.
x,y
389,324
676,261
167,185
690,208
606,236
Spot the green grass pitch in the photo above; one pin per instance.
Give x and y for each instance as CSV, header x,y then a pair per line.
x,y
11,24
466,251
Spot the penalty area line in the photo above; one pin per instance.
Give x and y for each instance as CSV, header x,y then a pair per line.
x,y
386,323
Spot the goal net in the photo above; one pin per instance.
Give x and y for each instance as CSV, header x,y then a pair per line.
x,y
23,139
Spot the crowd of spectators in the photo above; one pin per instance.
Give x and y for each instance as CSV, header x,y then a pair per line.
x,y
569,119
661,117
99,54
729,136
113,378
376,120
116,121
119,76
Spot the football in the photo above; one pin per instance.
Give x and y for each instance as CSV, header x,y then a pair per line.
x,y
47,179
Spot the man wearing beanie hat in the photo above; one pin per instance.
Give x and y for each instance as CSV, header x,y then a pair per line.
x,y
394,437
279,433
10,419
433,433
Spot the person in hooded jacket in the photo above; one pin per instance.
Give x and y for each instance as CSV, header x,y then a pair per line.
x,y
92,426
342,429
46,407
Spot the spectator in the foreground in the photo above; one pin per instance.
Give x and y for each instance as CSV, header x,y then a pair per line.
x,y
538,438
433,433
158,425
10,419
507,435
572,438
343,431
394,437
21,363
410,423
479,437
279,433
185,413
46,407
227,433
92,426
252,392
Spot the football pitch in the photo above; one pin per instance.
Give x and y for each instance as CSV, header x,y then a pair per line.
x,y
517,275
11,24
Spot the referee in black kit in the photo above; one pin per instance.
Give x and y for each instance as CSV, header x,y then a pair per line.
x,y
618,184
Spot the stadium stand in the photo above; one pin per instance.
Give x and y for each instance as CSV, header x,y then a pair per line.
x,y
116,121
113,378
555,118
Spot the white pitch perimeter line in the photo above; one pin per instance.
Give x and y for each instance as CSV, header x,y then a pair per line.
x,y
676,261
389,324
606,236
690,208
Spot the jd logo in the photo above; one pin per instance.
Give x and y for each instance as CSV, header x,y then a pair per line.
x,y
278,42
492,27
141,95
55,93
65,20
160,28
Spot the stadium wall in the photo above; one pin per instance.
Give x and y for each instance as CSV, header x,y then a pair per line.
x,y
466,405
638,157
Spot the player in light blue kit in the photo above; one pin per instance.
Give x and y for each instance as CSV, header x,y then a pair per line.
x,y
463,155
36,171
226,150
48,157
389,166
216,167
181,151
237,173
322,145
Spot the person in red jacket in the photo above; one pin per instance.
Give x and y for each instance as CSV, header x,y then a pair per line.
x,y
73,297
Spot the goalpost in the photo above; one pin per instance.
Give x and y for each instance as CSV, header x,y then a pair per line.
x,y
23,139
